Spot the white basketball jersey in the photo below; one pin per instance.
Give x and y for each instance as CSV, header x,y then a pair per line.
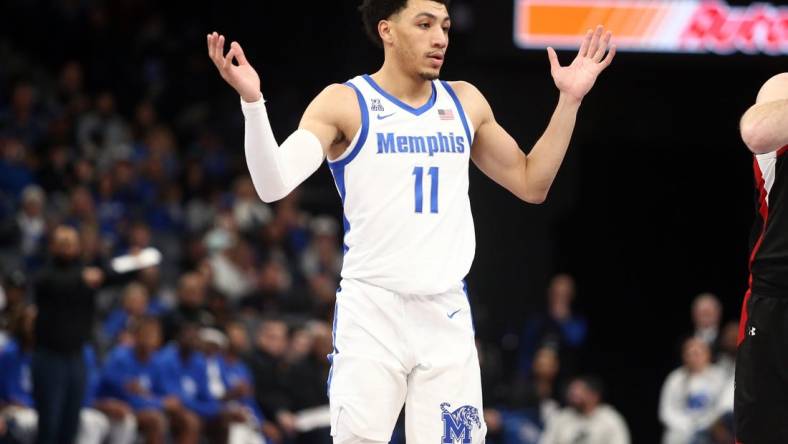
x,y
404,187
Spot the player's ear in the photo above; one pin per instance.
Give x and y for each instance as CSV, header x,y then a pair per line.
x,y
385,32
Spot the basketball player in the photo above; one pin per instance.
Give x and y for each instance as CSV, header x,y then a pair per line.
x,y
761,395
398,143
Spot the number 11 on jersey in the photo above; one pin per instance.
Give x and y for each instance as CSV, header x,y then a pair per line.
x,y
418,188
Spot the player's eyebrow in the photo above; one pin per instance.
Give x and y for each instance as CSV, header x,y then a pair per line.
x,y
430,16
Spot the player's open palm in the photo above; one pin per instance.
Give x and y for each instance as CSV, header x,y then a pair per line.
x,y
242,76
577,79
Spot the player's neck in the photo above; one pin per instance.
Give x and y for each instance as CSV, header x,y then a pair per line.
x,y
410,88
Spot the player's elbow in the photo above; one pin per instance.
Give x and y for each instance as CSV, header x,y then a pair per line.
x,y
751,136
535,197
756,139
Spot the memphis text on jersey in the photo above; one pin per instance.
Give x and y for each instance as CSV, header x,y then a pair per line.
x,y
439,143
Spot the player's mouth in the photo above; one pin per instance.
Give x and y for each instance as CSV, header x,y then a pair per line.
x,y
436,58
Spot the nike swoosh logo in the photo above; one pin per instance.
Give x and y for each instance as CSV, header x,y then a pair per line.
x,y
451,315
386,116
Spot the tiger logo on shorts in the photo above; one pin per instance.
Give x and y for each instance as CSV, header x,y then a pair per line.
x,y
458,425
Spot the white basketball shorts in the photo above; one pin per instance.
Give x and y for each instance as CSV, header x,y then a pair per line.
x,y
391,349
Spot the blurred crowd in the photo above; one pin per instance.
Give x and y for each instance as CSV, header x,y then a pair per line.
x,y
224,340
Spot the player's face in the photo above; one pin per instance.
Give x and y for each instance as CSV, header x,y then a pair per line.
x,y
420,36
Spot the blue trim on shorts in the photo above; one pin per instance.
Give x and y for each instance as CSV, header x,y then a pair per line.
x,y
334,346
470,311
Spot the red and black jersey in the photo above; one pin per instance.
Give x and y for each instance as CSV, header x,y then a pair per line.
x,y
769,240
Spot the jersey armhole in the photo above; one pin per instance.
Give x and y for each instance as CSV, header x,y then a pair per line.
x,y
460,109
361,135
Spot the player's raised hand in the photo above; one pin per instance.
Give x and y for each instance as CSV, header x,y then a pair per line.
x,y
242,76
577,79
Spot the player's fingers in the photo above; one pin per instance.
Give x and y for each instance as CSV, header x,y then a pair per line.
x,y
586,43
218,49
612,53
212,39
554,64
228,59
594,45
239,53
600,53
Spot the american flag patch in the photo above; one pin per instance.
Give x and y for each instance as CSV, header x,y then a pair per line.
x,y
446,114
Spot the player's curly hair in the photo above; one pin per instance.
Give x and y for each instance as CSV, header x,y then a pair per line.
x,y
373,11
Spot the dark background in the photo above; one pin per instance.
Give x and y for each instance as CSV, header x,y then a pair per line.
x,y
652,206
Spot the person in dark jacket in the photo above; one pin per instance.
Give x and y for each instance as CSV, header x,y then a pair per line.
x,y
65,293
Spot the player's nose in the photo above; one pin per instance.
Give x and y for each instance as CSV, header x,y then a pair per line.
x,y
440,39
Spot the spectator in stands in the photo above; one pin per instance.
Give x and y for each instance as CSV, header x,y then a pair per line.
x,y
24,119
230,381
273,293
134,304
16,390
558,328
65,296
70,99
16,385
15,173
237,357
183,372
30,221
728,344
234,269
706,314
529,403
321,264
102,131
131,375
249,212
83,210
14,292
93,251
300,344
306,386
587,419
190,306
287,233
691,394
160,295
102,417
542,389
270,374
55,174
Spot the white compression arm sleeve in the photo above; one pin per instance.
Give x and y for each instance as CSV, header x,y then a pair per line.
x,y
277,170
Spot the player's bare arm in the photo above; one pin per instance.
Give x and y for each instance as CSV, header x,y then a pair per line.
x,y
496,153
334,117
326,128
764,127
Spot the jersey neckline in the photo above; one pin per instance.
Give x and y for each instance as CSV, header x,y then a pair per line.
x,y
416,111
